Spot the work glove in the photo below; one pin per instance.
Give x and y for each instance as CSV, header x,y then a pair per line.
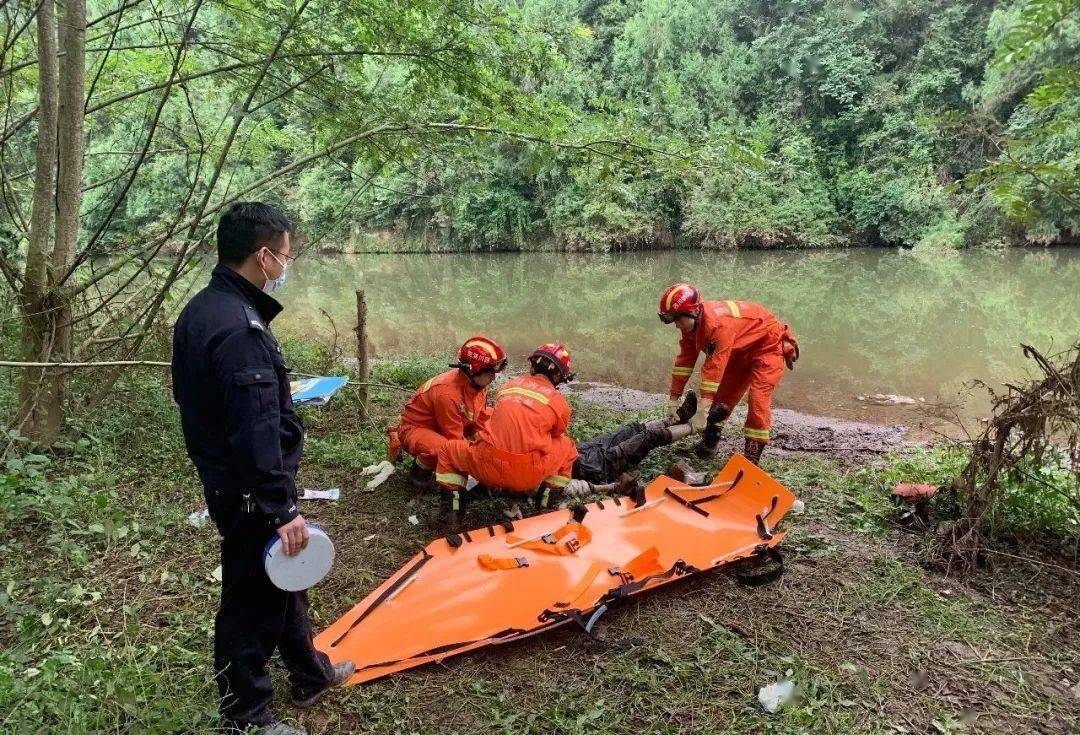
x,y
577,488
702,415
671,407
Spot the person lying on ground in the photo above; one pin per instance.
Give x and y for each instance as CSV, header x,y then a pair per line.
x,y
523,450
452,405
746,349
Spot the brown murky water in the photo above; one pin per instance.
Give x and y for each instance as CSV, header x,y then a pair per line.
x,y
869,321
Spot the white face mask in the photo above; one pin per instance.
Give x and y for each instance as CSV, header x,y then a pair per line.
x,y
275,283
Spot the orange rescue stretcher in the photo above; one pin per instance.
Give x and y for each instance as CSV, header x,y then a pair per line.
x,y
508,581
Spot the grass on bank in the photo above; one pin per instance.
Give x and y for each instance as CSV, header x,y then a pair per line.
x,y
106,604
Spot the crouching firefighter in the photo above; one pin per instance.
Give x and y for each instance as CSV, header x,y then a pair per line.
x,y
524,450
746,350
523,446
452,405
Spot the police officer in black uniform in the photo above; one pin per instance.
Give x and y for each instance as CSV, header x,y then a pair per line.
x,y
244,438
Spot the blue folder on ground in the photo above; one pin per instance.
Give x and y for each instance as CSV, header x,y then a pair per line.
x,y
315,391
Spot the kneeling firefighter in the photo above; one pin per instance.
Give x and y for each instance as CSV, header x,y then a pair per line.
x,y
449,406
746,349
523,448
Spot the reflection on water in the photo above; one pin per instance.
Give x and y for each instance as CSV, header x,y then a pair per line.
x,y
868,321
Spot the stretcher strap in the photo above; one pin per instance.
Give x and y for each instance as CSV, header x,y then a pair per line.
x,y
398,583
678,569
645,563
684,502
763,528
583,584
493,563
613,596
694,504
563,541
447,648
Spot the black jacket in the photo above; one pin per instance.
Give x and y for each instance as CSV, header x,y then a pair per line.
x,y
232,387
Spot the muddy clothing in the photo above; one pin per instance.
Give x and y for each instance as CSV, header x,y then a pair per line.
x,y
745,348
446,407
521,447
605,458
244,438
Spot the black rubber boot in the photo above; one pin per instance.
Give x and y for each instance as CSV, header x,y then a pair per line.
x,y
710,441
710,438
752,450
451,509
686,410
421,480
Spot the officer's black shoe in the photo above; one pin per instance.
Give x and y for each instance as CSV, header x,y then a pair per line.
x,y
342,673
420,479
688,408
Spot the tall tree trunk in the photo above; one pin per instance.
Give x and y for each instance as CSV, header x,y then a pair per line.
x,y
46,305
71,140
34,302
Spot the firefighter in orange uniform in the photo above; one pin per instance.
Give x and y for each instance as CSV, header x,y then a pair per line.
x,y
450,406
523,445
746,349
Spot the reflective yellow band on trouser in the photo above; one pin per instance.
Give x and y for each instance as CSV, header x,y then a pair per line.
x,y
545,497
450,478
710,385
559,481
523,392
682,371
759,434
733,308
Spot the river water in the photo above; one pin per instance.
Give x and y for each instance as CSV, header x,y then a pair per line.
x,y
869,321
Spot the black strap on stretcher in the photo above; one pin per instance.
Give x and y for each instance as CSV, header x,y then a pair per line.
x,y
447,648
694,504
763,528
385,593
765,566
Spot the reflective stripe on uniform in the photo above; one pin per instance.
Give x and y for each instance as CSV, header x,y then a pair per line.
x,y
559,481
450,478
710,385
426,385
545,497
419,462
733,308
519,391
682,371
759,434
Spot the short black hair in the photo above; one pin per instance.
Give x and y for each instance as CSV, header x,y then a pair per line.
x,y
247,226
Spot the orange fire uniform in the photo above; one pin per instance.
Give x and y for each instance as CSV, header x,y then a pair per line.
x,y
744,346
446,407
522,446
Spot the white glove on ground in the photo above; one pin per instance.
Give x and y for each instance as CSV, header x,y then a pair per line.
x,y
577,488
378,474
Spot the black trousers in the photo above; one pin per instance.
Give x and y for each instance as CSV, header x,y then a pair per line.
x,y
606,457
255,619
